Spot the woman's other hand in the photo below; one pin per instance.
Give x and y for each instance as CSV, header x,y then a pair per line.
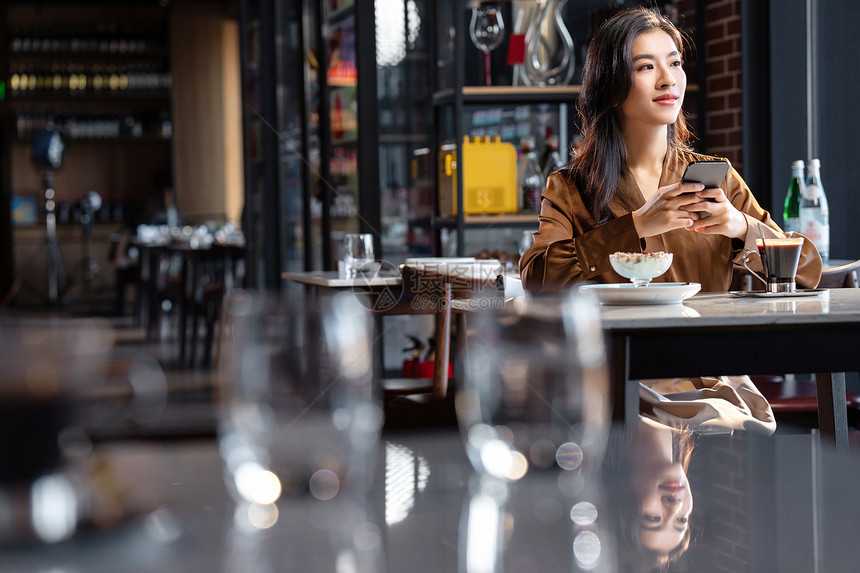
x,y
724,219
669,208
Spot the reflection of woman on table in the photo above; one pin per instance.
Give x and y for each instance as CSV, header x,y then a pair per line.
x,y
622,192
650,496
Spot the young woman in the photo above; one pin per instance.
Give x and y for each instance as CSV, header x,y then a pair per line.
x,y
622,192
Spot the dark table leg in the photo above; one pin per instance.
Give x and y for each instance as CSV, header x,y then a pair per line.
x,y
625,392
184,298
194,273
153,296
143,290
832,413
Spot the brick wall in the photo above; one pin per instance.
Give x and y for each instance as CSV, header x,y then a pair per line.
x,y
718,480
724,125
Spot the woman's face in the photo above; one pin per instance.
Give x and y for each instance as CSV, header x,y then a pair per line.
x,y
658,83
665,504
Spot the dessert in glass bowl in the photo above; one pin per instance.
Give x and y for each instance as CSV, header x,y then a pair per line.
x,y
640,268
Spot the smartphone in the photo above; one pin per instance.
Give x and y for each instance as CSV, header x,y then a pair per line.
x,y
710,173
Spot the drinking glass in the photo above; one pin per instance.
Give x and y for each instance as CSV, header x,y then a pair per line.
x,y
299,414
779,259
47,366
357,253
487,30
535,393
533,412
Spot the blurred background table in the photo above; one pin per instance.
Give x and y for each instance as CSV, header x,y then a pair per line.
x,y
332,279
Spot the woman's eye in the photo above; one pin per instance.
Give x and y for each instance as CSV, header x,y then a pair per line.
x,y
651,518
646,67
682,520
678,63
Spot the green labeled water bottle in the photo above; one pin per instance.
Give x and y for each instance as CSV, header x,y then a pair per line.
x,y
791,209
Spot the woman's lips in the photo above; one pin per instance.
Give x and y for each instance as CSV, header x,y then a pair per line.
x,y
673,487
666,100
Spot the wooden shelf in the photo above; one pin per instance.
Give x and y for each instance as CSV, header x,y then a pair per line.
x,y
509,94
103,140
517,95
155,55
404,138
484,221
90,97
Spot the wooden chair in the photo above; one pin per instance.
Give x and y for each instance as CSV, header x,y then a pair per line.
x,y
209,275
427,292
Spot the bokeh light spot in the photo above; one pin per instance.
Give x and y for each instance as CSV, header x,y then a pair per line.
x,y
262,516
519,465
583,513
586,549
324,484
569,456
256,484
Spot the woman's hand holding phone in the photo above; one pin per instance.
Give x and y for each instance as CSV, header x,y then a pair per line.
x,y
723,218
716,213
667,209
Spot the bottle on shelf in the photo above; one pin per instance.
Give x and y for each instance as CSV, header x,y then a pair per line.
x,y
552,158
529,176
791,208
814,211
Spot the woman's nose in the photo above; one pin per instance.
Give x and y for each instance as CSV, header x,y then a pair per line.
x,y
666,79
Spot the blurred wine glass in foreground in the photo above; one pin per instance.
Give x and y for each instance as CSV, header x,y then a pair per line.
x,y
48,365
487,30
535,388
300,425
533,413
298,410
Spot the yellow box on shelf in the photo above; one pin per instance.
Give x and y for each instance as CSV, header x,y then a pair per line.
x,y
489,177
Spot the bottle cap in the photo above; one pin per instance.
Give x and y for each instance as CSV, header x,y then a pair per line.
x,y
798,164
814,164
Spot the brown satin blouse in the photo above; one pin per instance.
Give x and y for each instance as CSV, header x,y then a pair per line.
x,y
569,247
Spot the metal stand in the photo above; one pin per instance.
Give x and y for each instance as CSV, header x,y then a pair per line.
x,y
87,270
56,278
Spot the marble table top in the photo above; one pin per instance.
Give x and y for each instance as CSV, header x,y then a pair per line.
x,y
836,306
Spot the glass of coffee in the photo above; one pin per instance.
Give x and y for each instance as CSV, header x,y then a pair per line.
x,y
779,259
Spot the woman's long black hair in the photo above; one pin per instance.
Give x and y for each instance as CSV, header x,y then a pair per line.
x,y
601,160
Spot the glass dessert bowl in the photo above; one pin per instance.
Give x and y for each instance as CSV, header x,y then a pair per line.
x,y
640,268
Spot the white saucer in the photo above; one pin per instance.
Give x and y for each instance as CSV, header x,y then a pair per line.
x,y
656,293
762,294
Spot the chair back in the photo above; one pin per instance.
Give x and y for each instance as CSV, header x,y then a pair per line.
x,y
843,276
